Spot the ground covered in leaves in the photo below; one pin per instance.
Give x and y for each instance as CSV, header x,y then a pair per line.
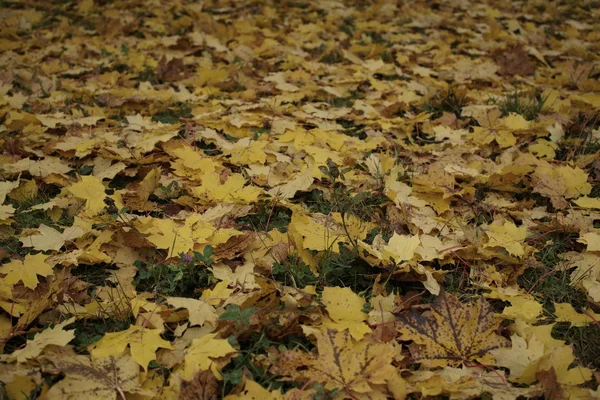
x,y
299,200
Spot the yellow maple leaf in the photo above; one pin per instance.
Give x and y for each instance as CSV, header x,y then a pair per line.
x,y
234,190
6,213
516,122
566,313
523,307
382,309
27,190
453,332
198,356
143,343
90,189
586,273
49,238
242,276
318,233
199,311
345,309
522,358
401,247
287,190
507,236
174,236
588,202
19,380
26,271
591,239
55,336
253,391
6,187
560,182
560,359
216,296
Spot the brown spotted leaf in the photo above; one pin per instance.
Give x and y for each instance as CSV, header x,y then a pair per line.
x,y
203,386
101,379
453,332
356,367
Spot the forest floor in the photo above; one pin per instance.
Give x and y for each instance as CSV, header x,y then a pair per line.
x,y
299,199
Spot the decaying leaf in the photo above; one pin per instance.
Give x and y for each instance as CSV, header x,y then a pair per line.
x,y
358,368
453,332
100,379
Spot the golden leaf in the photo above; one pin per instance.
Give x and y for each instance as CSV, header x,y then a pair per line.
x,y
142,341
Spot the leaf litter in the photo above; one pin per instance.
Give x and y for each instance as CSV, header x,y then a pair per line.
x,y
299,200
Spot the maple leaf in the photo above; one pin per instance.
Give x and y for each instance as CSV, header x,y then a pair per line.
x,y
453,332
26,271
317,233
345,309
566,313
522,358
507,236
401,247
19,380
49,238
560,182
199,311
341,363
592,240
50,336
90,189
203,386
199,355
100,379
176,237
142,341
253,390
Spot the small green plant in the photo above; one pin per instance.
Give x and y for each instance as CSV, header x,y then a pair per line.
x,y
172,115
181,278
345,201
171,191
258,343
351,128
292,271
266,216
240,316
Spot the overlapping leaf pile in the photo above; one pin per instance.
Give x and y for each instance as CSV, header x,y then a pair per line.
x,y
332,199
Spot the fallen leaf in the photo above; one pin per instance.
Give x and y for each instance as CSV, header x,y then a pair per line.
x,y
100,379
199,355
26,271
143,343
345,309
52,336
453,332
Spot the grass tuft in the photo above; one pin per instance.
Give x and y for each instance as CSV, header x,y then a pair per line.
x,y
527,104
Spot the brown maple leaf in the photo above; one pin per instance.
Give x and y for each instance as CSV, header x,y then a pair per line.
x,y
453,332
